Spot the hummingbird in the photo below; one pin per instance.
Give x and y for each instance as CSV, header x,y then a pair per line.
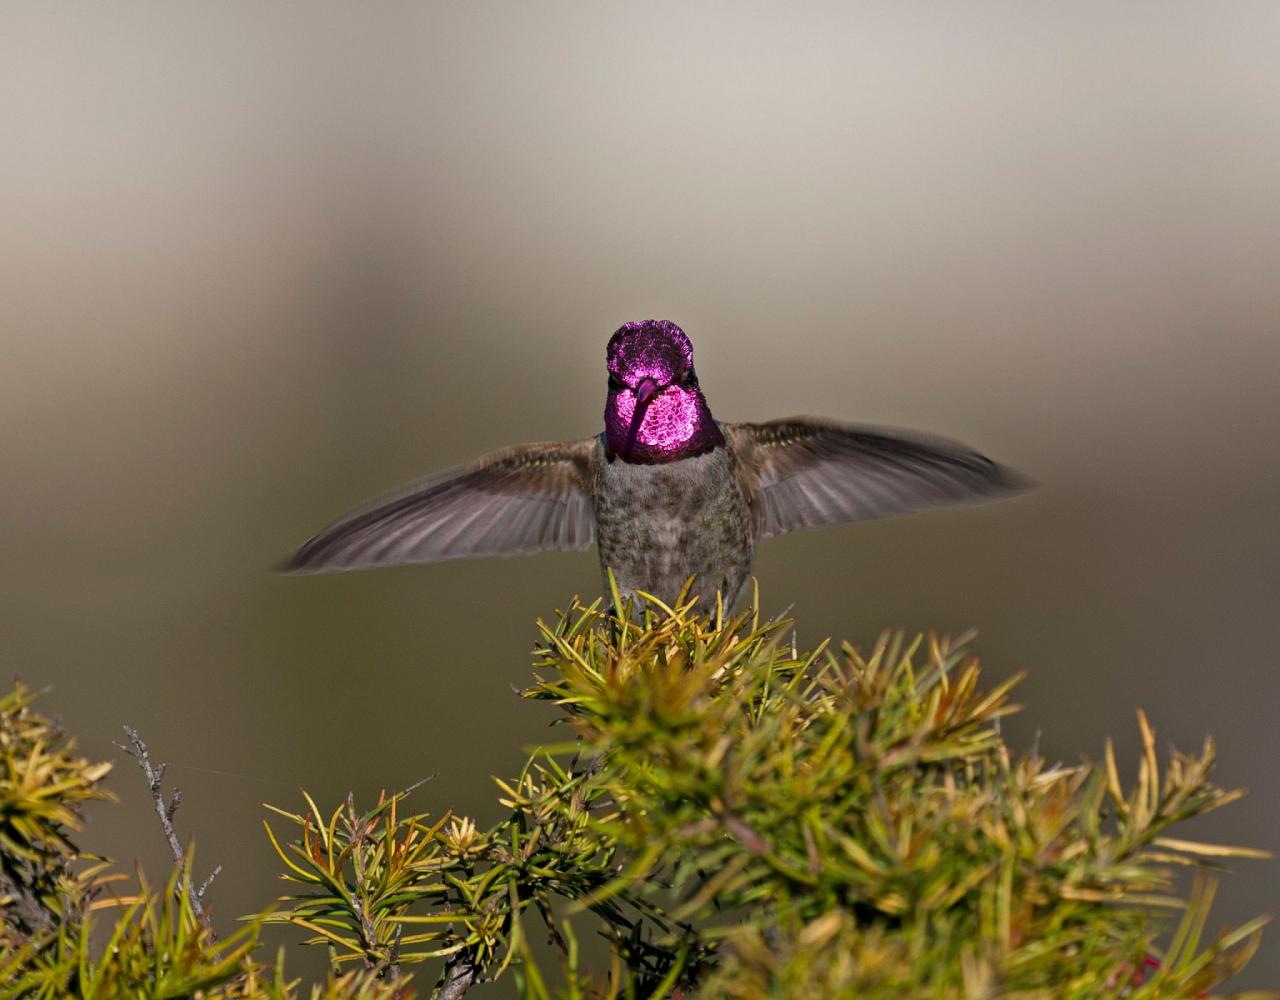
x,y
666,492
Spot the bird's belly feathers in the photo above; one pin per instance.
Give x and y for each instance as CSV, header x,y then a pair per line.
x,y
657,525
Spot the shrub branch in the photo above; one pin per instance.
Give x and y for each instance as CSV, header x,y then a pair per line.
x,y
727,816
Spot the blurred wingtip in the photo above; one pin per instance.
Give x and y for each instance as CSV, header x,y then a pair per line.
x,y
1013,482
289,566
298,563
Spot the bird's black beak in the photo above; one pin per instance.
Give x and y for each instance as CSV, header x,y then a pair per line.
x,y
646,392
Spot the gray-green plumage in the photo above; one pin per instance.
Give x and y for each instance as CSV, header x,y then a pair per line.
x,y
659,524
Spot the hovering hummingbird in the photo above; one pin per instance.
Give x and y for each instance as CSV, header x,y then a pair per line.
x,y
666,491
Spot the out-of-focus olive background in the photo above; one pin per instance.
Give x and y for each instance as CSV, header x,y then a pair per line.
x,y
263,262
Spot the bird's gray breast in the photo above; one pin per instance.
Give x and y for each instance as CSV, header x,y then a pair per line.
x,y
657,525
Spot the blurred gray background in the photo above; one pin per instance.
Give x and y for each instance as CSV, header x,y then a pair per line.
x,y
263,262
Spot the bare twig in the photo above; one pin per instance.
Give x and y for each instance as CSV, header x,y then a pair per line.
x,y
154,774
393,955
204,886
460,974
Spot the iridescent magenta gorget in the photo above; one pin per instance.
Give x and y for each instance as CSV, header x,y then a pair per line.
x,y
655,411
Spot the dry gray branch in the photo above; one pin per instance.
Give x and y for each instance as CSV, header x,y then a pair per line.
x,y
460,973
29,912
154,774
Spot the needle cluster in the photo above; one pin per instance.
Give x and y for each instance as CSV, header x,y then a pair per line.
x,y
727,816
735,817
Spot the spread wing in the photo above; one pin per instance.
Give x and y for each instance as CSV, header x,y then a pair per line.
x,y
524,499
801,472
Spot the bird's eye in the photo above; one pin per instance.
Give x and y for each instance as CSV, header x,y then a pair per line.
x,y
615,383
689,378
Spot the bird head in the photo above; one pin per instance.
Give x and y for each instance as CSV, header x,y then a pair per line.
x,y
655,411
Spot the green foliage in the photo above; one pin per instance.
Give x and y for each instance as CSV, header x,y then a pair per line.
x,y
55,942
737,818
51,892
42,782
156,949
727,817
